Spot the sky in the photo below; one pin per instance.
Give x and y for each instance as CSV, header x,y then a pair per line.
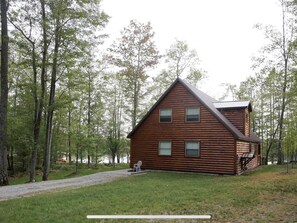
x,y
222,32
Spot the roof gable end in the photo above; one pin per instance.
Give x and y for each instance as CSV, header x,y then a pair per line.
x,y
209,102
153,107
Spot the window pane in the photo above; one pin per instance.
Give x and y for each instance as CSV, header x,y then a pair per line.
x,y
165,115
165,112
165,148
192,118
165,152
192,111
191,152
192,145
165,119
192,149
165,145
192,114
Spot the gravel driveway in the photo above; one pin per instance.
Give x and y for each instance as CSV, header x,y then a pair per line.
x,y
29,189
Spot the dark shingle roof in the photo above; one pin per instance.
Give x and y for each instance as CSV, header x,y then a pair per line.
x,y
209,103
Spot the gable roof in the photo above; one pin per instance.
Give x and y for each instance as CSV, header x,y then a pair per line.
x,y
204,99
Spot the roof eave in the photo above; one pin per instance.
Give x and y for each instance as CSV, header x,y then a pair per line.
x,y
236,136
248,139
153,107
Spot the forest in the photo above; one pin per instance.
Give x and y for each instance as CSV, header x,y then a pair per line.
x,y
66,96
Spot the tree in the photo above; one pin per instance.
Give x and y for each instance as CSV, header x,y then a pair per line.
x,y
134,54
27,22
182,62
179,58
74,25
53,48
3,94
280,54
230,89
264,92
115,113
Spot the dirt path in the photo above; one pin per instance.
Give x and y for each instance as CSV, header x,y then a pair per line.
x,y
29,189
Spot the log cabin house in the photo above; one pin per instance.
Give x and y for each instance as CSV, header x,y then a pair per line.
x,y
187,130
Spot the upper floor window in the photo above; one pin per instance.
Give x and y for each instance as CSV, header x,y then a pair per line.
x,y
192,148
193,114
166,115
165,148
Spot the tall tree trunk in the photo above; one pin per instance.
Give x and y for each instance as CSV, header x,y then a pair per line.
x,y
280,158
50,113
78,142
3,95
96,156
14,115
89,119
113,159
57,132
135,101
76,162
69,135
36,127
270,145
10,161
38,108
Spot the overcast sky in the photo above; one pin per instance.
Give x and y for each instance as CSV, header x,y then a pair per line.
x,y
221,31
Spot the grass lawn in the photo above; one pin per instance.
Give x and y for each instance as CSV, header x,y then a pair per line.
x,y
62,171
265,195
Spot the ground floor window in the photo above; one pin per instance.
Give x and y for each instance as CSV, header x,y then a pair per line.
x,y
192,148
165,148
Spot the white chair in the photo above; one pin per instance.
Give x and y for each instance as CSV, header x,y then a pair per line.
x,y
136,166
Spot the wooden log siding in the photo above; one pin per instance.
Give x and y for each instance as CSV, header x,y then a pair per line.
x,y
217,145
236,117
245,147
246,122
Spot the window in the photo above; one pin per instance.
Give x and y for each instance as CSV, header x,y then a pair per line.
x,y
165,148
193,114
192,148
165,115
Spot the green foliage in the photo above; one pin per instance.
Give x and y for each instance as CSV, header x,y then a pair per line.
x,y
278,58
70,33
181,59
181,62
134,53
272,90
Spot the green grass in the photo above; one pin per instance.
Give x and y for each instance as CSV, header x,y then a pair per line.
x,y
265,195
62,171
